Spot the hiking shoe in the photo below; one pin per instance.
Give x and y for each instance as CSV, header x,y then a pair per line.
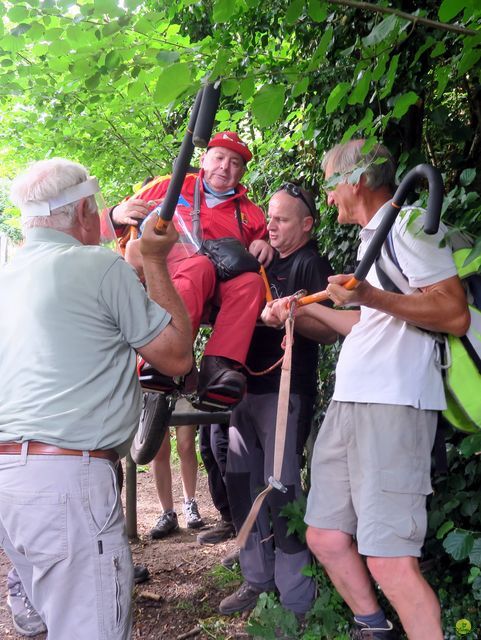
x,y
363,632
221,384
192,515
219,533
231,559
166,524
244,598
26,620
141,573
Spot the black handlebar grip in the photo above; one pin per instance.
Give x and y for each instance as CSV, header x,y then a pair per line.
x,y
205,120
181,165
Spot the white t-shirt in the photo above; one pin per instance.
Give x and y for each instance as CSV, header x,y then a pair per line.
x,y
386,360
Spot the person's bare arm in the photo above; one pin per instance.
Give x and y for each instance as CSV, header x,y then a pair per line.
x,y
440,307
315,321
171,351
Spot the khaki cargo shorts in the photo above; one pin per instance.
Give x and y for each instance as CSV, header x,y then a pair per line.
x,y
370,476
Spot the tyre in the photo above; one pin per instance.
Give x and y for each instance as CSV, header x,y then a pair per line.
x,y
153,424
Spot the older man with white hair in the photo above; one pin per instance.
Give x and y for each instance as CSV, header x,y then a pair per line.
x,y
73,316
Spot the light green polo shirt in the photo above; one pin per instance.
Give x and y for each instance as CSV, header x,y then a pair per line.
x,y
71,317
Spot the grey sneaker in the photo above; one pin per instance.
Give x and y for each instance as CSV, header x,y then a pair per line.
x,y
244,598
219,533
166,524
192,515
26,620
363,632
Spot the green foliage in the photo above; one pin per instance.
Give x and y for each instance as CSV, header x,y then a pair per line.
x,y
294,512
225,578
328,617
110,85
455,532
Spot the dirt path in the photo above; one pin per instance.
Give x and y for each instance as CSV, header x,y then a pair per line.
x,y
187,581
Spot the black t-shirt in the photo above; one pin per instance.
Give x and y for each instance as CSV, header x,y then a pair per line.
x,y
303,269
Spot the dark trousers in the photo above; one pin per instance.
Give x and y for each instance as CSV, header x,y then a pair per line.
x,y
272,557
213,444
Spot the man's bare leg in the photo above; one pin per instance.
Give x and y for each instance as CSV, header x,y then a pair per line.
x,y
406,589
337,552
163,475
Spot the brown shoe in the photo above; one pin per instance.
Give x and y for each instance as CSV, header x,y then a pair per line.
x,y
221,384
221,532
231,559
244,598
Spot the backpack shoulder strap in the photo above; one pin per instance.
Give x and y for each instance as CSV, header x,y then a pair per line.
x,y
389,270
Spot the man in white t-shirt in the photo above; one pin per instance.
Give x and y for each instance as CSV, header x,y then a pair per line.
x,y
371,462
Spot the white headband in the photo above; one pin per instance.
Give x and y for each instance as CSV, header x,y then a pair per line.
x,y
67,196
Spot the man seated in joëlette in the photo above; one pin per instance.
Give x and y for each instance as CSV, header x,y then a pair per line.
x,y
225,211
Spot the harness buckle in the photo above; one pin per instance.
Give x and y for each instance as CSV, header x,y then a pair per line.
x,y
277,484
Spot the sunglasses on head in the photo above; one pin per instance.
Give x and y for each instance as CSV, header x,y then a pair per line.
x,y
295,191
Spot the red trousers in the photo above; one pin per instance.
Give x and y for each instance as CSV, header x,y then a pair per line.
x,y
240,302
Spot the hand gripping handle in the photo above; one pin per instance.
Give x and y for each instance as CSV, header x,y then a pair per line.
x,y
431,223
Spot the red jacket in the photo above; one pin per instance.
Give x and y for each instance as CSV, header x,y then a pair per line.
x,y
217,222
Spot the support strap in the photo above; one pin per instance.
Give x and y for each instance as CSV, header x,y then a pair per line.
x,y
280,437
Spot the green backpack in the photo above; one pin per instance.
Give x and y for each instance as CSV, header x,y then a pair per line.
x,y
462,356
462,376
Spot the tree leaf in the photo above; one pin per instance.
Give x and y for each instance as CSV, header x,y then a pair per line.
x,y
459,544
390,76
450,9
381,31
471,444
359,93
403,102
438,50
294,10
321,49
442,76
300,87
172,82
20,29
112,59
467,176
475,553
443,529
468,60
18,13
268,103
247,88
224,10
229,87
167,57
336,95
317,10
93,81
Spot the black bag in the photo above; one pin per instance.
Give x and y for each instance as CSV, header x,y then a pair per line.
x,y
229,257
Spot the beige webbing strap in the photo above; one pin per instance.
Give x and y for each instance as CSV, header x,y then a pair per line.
x,y
280,437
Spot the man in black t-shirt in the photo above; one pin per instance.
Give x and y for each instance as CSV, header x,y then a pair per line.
x,y
272,559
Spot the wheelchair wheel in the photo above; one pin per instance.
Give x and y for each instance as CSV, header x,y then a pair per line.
x,y
153,424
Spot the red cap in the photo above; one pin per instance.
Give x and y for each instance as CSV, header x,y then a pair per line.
x,y
231,140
